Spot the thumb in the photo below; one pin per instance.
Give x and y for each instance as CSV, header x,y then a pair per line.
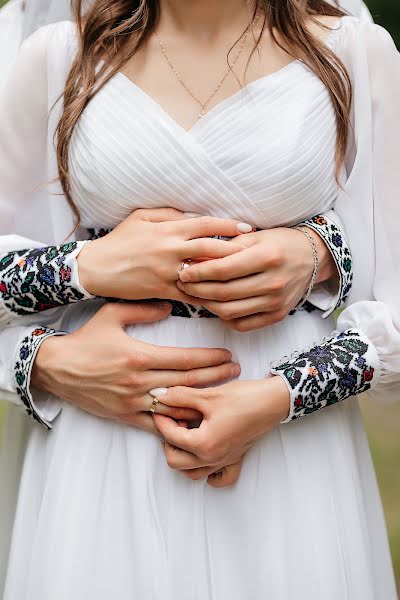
x,y
159,215
128,313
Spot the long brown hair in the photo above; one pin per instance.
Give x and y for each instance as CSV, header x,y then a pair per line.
x,y
106,31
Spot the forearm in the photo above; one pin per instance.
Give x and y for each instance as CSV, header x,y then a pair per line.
x,y
35,280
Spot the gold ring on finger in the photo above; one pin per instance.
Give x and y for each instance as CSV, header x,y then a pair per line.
x,y
184,265
153,406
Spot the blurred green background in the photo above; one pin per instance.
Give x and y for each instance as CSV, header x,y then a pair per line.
x,y
382,422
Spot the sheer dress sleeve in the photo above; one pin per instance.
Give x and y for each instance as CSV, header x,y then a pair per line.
x,y
23,170
363,354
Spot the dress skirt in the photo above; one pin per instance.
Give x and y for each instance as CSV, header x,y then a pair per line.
x,y
100,515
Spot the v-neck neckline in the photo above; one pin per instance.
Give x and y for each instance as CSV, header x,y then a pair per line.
x,y
221,106
217,108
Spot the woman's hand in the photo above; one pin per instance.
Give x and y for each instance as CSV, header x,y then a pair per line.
x,y
235,416
141,257
225,477
261,284
103,371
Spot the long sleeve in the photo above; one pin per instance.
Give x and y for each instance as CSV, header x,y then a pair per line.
x,y
325,296
377,312
357,8
19,345
37,279
364,352
27,204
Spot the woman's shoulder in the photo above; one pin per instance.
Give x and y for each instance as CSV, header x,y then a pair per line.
x,y
353,33
54,37
371,58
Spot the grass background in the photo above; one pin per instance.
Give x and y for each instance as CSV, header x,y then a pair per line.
x,y
382,422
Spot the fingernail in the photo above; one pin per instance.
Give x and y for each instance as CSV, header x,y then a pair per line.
x,y
164,305
158,392
236,370
244,228
192,215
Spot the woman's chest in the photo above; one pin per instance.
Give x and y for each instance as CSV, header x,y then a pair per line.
x,y
266,155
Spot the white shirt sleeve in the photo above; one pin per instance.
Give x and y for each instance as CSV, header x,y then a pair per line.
x,y
23,126
363,354
372,194
23,169
357,8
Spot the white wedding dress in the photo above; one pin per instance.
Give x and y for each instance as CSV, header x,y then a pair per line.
x,y
100,515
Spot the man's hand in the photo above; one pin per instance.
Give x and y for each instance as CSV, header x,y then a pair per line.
x,y
103,371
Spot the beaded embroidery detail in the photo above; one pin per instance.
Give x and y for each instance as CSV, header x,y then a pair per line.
x,y
26,354
334,369
337,245
36,280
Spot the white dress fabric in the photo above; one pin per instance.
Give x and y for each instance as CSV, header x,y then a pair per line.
x,y
98,512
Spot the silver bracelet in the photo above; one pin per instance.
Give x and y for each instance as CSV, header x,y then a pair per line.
x,y
316,265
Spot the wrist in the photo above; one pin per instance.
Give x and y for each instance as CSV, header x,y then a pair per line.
x,y
273,400
89,268
48,352
326,265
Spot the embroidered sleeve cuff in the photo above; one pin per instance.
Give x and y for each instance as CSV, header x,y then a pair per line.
x,y
38,279
27,350
336,368
323,296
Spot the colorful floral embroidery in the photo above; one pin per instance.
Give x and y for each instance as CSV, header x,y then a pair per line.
x,y
334,369
25,358
334,239
39,279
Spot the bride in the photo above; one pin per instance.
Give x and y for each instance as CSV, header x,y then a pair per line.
x,y
275,142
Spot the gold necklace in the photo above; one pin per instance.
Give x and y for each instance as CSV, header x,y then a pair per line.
x,y
220,84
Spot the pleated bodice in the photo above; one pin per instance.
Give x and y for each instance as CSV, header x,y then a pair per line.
x,y
264,155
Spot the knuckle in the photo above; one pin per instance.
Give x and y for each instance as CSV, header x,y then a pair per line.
x,y
125,407
180,413
140,360
222,293
205,222
278,285
227,480
195,475
185,361
228,313
171,463
280,315
241,326
211,452
171,459
134,381
190,378
230,480
274,257
274,304
139,213
221,273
